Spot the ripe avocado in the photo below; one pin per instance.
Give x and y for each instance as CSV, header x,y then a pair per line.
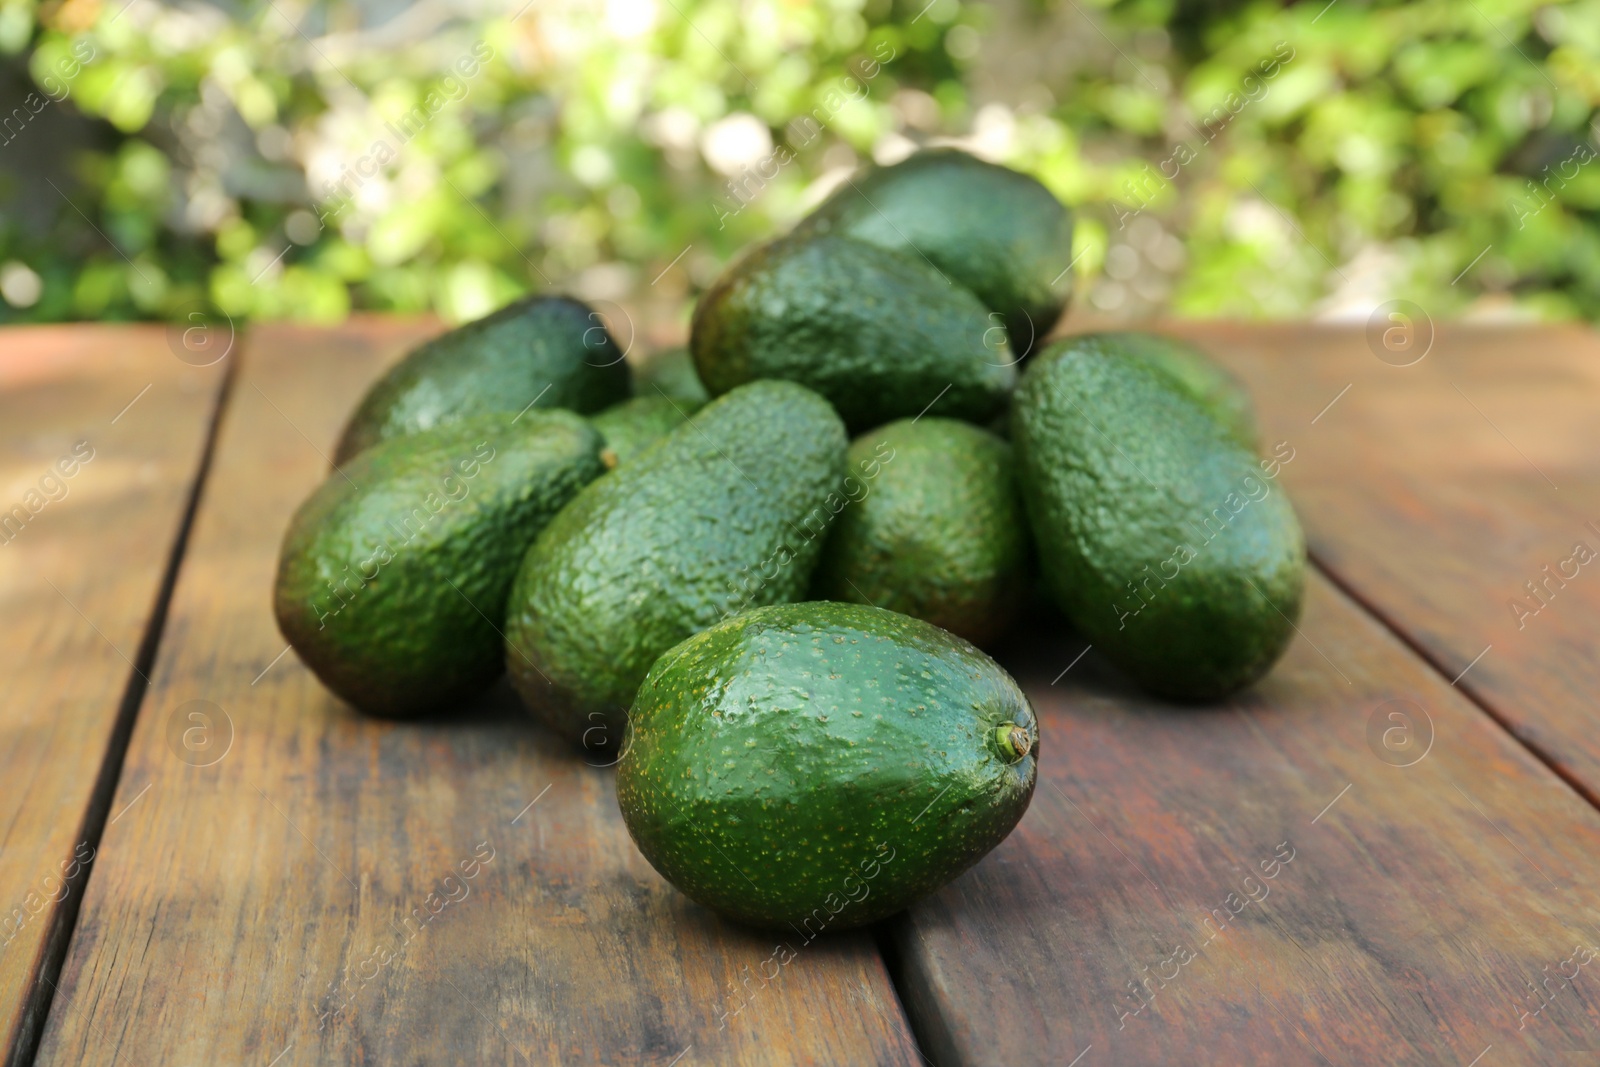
x,y
817,766
1192,372
647,555
670,373
1160,536
997,232
879,334
393,576
631,426
542,351
935,528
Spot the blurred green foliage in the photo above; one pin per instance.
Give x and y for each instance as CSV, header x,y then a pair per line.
x,y
1243,159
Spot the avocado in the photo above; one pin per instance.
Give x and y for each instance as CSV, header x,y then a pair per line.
x,y
813,767
998,232
727,511
1190,371
671,374
393,576
630,426
935,528
1162,539
878,334
540,352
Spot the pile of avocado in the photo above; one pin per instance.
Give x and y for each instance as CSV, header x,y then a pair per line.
x,y
757,571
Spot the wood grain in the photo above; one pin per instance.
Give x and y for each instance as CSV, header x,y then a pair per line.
x,y
1417,904
269,906
83,558
1437,492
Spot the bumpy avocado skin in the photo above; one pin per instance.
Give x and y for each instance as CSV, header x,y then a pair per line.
x,y
999,233
1162,538
633,425
936,531
1190,371
723,513
393,576
544,351
816,766
880,335
670,373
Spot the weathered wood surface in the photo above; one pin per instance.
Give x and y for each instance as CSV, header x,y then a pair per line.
x,y
1143,912
102,430
296,884
1452,496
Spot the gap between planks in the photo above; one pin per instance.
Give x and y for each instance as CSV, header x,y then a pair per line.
x,y
65,920
95,817
1460,682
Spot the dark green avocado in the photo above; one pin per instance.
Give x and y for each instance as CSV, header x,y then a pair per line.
x,y
725,512
880,335
1163,540
393,576
813,767
1191,372
631,426
998,232
935,528
540,352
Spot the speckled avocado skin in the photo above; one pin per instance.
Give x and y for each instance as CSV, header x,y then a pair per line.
x,y
726,511
938,532
1166,542
880,335
816,766
997,232
393,576
1191,372
635,424
544,351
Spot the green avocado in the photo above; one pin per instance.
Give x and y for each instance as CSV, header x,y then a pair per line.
x,y
999,233
1164,540
726,512
813,767
1192,372
878,334
540,352
629,427
935,528
393,576
670,373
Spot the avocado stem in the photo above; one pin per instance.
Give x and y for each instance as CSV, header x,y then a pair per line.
x,y
1013,741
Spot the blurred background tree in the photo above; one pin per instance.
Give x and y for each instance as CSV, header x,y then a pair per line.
x,y
299,160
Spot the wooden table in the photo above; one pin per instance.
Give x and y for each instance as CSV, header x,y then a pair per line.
x,y
1385,853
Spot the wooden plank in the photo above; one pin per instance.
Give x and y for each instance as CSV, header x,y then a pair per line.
x,y
1427,885
102,430
1437,492
268,907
